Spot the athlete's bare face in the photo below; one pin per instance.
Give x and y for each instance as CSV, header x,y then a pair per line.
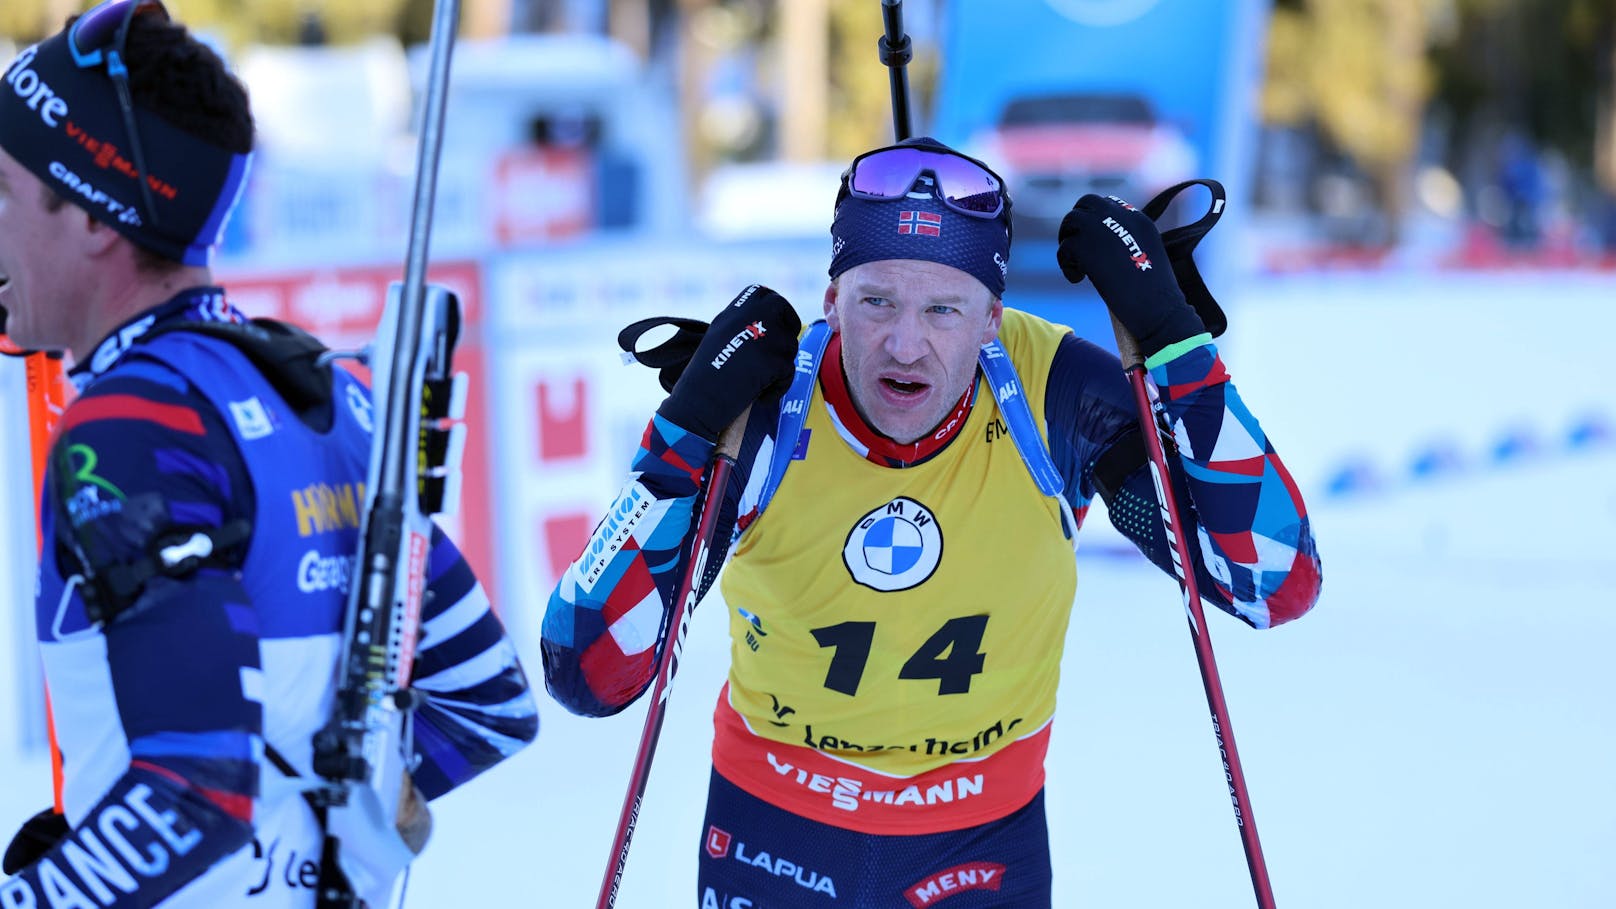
x,y
38,263
910,333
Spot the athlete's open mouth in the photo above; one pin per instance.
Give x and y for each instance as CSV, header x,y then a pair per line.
x,y
905,388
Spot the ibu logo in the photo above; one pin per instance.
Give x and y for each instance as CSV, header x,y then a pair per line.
x,y
894,547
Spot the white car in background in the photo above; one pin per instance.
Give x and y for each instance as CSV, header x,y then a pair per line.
x,y
1053,148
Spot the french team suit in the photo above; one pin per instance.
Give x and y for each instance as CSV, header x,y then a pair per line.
x,y
897,624
171,690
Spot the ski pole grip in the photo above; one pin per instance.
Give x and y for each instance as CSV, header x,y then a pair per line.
x,y
729,443
1127,347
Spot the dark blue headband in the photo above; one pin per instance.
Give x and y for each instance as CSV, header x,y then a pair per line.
x,y
63,124
919,226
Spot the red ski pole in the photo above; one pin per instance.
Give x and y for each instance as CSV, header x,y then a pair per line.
x,y
1133,363
706,528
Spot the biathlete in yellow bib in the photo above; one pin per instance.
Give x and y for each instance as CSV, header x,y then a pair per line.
x,y
900,528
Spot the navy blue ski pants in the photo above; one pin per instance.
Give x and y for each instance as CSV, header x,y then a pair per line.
x,y
757,856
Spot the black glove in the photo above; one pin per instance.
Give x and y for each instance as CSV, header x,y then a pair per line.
x,y
747,353
38,834
1118,247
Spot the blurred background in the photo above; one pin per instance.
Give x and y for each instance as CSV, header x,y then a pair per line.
x,y
1418,261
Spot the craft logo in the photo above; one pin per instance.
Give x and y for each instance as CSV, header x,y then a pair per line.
x,y
717,843
924,223
894,547
91,194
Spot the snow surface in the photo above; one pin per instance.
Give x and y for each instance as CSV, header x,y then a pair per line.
x,y
1438,732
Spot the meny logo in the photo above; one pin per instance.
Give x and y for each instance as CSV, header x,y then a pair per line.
x,y
954,881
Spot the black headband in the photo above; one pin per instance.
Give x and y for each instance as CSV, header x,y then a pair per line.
x,y
920,226
63,123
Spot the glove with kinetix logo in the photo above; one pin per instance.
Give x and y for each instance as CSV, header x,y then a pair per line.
x,y
747,353
1118,247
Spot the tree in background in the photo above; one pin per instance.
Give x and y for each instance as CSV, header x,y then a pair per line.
x,y
1356,71
1527,81
860,99
236,21
1501,81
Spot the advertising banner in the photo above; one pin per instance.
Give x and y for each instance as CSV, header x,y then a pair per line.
x,y
570,413
1116,97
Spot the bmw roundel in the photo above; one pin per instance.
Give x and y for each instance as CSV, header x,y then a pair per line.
x,y
895,547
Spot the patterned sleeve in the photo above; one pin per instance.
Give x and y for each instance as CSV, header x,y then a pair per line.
x,y
608,616
1256,557
1253,528
478,708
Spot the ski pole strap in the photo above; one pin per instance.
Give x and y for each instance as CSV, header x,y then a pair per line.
x,y
672,355
1181,242
1017,413
794,407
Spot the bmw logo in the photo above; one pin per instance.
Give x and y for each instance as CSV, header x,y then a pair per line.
x,y
895,547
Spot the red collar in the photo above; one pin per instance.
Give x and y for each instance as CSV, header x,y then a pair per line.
x,y
879,448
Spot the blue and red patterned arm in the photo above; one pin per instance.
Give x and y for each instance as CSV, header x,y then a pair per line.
x,y
605,620
1255,539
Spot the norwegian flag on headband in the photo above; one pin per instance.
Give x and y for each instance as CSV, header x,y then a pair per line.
x,y
925,223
